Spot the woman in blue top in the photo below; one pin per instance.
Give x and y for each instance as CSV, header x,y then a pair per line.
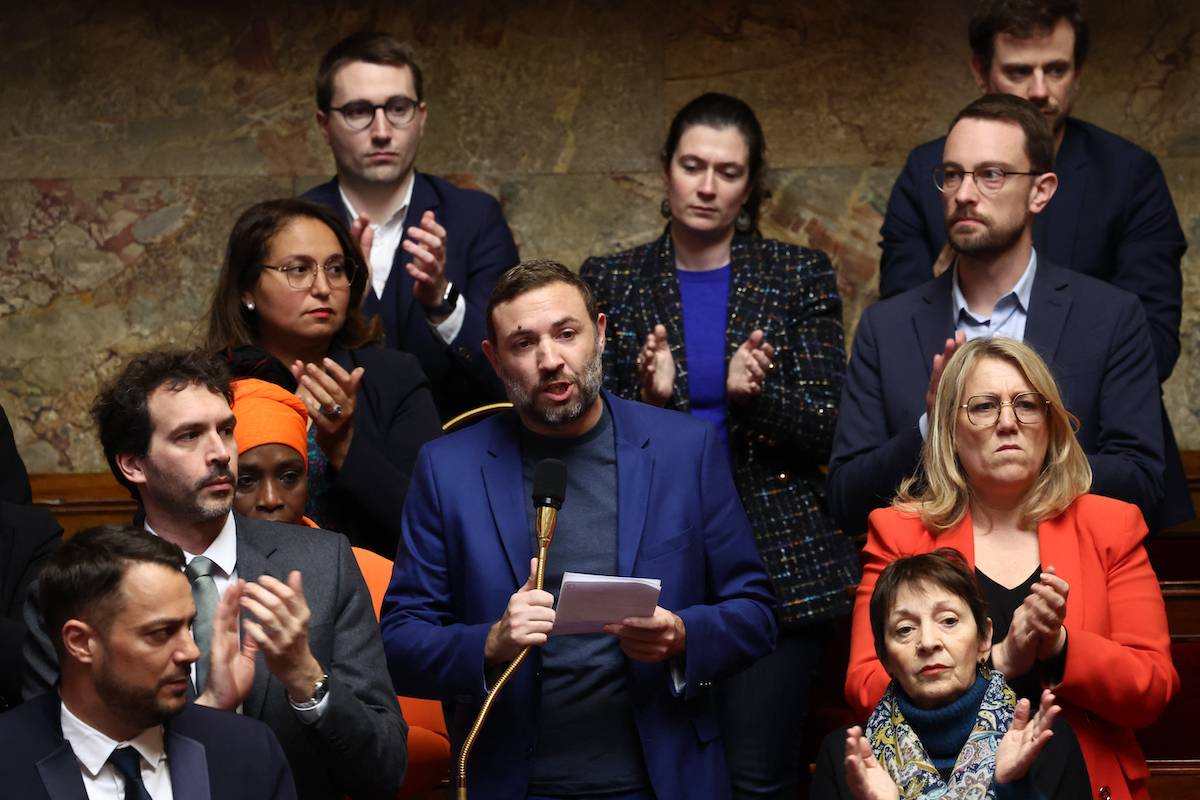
x,y
714,320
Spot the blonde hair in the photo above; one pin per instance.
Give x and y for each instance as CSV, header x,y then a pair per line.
x,y
940,493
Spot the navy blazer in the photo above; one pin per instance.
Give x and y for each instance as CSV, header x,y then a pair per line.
x,y
358,746
1112,218
212,755
14,481
1094,338
479,249
28,537
466,549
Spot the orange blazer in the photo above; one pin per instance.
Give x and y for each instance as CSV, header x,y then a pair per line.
x,y
1118,673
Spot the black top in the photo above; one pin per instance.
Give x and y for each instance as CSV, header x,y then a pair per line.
x,y
587,741
1002,604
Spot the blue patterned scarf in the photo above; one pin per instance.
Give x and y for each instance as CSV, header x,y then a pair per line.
x,y
900,752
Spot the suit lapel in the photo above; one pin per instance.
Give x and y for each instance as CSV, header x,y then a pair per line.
x,y
635,468
746,282
666,307
189,767
1055,228
253,561
933,319
506,498
1049,307
60,774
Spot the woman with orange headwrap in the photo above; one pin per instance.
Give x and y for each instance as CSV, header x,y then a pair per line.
x,y
272,442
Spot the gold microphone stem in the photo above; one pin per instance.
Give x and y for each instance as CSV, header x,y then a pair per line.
x,y
546,519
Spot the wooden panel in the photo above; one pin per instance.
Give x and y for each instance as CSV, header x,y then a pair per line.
x,y
1175,780
1183,609
82,500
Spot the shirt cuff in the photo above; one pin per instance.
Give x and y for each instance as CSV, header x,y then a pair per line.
x,y
448,328
309,716
923,426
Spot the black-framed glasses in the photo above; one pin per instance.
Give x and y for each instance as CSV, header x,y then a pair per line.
x,y
1030,408
989,180
359,114
301,271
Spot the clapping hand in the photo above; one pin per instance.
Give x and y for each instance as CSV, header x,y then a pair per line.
x,y
427,245
748,368
656,368
1025,739
1037,631
865,777
329,395
230,667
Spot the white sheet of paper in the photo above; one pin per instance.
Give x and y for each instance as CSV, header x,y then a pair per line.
x,y
586,603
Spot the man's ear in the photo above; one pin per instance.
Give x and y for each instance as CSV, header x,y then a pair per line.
x,y
490,353
79,640
1043,188
980,74
601,326
131,467
323,124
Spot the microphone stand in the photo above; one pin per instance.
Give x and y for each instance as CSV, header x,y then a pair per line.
x,y
547,516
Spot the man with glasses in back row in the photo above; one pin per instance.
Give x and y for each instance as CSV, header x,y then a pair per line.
x,y
1112,216
995,176
435,250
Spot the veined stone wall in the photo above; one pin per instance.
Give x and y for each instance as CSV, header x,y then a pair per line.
x,y
134,132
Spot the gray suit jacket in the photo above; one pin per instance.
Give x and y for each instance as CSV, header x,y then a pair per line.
x,y
358,747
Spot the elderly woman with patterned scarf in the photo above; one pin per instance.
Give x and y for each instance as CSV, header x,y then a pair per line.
x,y
947,726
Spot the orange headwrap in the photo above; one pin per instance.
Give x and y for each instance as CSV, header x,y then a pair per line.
x,y
269,414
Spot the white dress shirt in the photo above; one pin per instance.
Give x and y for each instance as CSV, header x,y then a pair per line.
x,y
101,780
388,237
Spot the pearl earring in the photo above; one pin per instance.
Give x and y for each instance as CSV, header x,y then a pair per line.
x,y
250,306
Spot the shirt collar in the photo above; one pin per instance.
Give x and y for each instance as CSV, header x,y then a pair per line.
x,y
222,551
1021,291
398,217
92,748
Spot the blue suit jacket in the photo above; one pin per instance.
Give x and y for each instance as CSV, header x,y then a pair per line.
x,y
1112,218
212,755
1092,335
479,249
466,547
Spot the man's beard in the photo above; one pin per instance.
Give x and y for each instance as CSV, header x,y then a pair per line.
x,y
992,241
140,707
182,501
588,383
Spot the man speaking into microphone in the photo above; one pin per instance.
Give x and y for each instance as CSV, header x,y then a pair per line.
x,y
623,715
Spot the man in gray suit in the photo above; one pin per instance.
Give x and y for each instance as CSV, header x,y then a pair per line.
x,y
310,664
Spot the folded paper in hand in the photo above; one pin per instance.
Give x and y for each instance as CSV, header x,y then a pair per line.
x,y
586,603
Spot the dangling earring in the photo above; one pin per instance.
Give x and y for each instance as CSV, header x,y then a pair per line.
x,y
743,223
249,305
665,208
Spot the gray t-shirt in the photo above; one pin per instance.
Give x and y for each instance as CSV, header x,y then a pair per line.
x,y
587,742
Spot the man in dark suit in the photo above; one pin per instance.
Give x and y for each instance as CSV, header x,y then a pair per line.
x,y
118,607
627,713
14,481
28,536
319,677
996,176
431,287
1112,216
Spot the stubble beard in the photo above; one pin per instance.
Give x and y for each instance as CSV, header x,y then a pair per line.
x,y
588,383
140,707
990,242
183,502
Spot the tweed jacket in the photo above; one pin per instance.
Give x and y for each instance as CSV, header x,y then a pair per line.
x,y
778,441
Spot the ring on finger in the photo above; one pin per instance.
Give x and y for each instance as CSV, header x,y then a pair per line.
x,y
335,411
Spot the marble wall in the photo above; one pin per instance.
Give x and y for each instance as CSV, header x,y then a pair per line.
x,y
135,131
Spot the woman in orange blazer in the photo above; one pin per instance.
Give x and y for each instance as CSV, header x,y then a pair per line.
x,y
1004,482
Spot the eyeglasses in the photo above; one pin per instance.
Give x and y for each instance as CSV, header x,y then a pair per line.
x,y
989,180
359,114
983,410
301,272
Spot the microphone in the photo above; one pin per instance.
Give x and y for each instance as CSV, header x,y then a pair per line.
x,y
549,490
